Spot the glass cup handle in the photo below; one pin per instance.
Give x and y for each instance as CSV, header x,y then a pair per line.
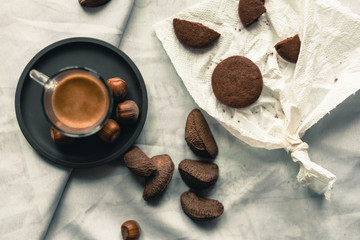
x,y
39,77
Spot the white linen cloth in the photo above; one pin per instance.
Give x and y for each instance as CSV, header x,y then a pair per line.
x,y
295,96
30,187
257,187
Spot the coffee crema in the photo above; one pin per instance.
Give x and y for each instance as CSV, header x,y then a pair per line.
x,y
80,100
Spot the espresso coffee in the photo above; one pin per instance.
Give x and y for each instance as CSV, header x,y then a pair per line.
x,y
80,100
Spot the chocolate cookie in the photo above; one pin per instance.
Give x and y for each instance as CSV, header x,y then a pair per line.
x,y
193,34
250,11
198,135
237,82
289,48
198,175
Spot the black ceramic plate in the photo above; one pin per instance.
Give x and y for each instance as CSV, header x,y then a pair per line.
x,y
109,62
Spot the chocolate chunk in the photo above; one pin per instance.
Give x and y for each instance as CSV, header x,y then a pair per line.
x,y
198,135
193,34
200,208
250,11
137,161
158,182
289,48
198,175
237,82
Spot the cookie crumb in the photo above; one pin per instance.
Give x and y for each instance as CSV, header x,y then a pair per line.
x,y
335,80
223,110
238,121
276,116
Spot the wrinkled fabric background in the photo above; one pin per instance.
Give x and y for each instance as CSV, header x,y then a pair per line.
x,y
261,196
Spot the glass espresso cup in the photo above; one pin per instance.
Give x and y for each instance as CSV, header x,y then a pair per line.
x,y
76,100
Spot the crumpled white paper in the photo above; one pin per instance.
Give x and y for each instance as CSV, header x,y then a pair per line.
x,y
295,96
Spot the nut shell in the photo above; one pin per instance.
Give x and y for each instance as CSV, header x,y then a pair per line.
x,y
59,138
157,183
130,230
137,161
199,208
118,88
110,131
92,3
198,135
198,175
127,112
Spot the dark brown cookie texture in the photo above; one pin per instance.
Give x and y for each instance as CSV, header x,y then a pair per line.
x,y
250,11
193,34
198,135
198,175
137,161
289,48
199,208
237,82
158,182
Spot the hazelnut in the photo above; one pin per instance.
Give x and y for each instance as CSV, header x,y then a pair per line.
x,y
127,112
118,88
130,230
110,132
60,138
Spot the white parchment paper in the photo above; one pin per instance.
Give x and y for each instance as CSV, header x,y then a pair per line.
x,y
295,96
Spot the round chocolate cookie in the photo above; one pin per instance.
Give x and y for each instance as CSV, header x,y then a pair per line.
x,y
237,82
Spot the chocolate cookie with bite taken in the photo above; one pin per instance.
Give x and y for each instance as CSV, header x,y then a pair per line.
x,y
289,48
193,34
250,11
